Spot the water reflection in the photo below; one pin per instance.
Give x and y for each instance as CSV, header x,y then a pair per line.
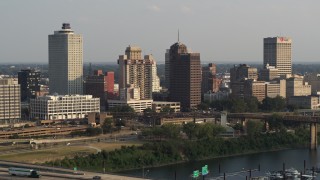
x,y
269,161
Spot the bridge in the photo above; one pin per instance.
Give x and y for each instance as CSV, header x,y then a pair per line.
x,y
244,117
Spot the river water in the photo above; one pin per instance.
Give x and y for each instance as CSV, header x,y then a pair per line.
x,y
269,161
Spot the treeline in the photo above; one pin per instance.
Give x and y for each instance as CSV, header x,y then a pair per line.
x,y
250,104
174,143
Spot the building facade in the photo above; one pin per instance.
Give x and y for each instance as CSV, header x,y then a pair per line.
x,y
277,53
137,105
100,85
157,106
238,75
65,62
138,71
185,77
254,88
268,73
10,102
295,86
210,82
305,102
29,81
63,107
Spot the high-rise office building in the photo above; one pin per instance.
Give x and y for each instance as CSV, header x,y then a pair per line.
x,y
185,76
277,53
139,72
29,80
10,103
65,62
210,81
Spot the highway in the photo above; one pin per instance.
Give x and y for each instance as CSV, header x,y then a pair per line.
x,y
59,174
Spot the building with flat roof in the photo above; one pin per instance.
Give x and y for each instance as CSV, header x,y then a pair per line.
x,y
157,106
10,102
304,102
137,105
268,73
295,86
63,107
277,52
65,62
29,80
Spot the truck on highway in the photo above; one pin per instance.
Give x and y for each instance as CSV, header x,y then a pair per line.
x,y
23,172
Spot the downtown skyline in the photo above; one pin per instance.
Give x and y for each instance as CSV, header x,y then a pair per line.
x,y
223,32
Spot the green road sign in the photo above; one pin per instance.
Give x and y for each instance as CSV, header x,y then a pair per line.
x,y
204,170
195,174
75,169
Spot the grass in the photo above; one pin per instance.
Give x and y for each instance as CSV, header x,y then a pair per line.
x,y
41,156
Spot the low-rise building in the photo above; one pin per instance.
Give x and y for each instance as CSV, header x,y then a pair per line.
x,y
137,105
220,95
63,107
159,105
305,102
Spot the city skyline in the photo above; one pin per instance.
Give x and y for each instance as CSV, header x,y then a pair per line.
x,y
212,28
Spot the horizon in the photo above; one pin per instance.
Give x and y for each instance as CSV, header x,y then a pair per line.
x,y
219,30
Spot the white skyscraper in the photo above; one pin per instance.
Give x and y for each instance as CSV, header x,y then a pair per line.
x,y
65,62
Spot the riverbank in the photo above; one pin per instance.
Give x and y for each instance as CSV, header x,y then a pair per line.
x,y
177,151
213,158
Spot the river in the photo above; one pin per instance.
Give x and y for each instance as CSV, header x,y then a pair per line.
x,y
269,161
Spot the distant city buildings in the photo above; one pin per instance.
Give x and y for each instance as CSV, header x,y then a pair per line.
x,y
65,61
100,85
238,76
277,53
29,80
184,72
210,82
295,86
10,101
139,72
63,107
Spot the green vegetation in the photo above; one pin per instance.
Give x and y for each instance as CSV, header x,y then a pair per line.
x,y
174,143
251,104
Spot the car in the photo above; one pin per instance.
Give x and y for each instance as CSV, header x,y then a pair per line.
x,y
96,177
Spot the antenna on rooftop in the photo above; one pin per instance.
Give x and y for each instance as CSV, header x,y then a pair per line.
x,y
178,36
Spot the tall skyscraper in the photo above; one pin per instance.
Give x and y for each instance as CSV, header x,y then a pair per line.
x,y
137,71
185,76
277,52
65,62
29,80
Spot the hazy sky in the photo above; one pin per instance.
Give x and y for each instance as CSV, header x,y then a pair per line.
x,y
221,30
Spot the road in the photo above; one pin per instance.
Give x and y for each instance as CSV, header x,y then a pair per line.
x,y
56,173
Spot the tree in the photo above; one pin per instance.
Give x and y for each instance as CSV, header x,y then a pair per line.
x,y
93,131
276,104
167,109
203,106
252,104
275,122
148,110
190,129
254,127
238,105
124,108
171,131
108,125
